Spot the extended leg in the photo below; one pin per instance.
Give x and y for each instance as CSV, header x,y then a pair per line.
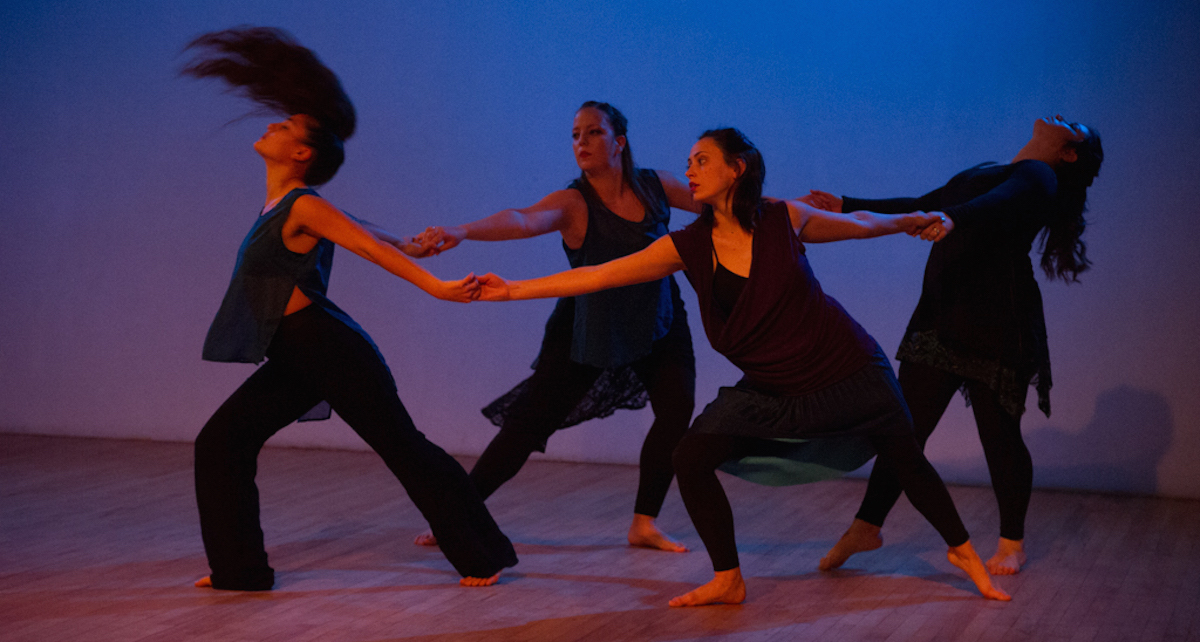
x,y
696,461
226,462
1011,469
927,391
669,375
357,384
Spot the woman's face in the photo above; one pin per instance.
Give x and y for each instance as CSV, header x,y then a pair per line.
x,y
709,177
593,141
286,139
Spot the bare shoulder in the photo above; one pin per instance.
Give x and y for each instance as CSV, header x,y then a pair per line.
x,y
312,204
567,201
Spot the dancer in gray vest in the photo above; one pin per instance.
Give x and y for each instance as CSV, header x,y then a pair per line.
x,y
317,356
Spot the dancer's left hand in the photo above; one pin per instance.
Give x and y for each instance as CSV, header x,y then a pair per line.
x,y
493,288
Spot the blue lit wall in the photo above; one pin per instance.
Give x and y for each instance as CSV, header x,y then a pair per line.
x,y
124,193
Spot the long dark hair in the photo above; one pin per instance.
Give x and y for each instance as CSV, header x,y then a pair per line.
x,y
747,189
1064,254
620,127
269,67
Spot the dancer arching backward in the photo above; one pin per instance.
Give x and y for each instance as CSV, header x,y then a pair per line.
x,y
811,372
276,307
606,350
978,326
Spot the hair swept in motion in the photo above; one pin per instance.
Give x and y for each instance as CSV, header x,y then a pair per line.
x,y
1064,254
269,67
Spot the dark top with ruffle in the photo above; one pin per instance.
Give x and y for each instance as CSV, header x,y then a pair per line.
x,y
617,327
980,313
786,335
611,329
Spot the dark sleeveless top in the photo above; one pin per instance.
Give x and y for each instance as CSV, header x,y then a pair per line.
x,y
263,279
619,326
980,313
784,332
727,287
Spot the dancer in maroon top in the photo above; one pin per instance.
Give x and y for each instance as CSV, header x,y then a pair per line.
x,y
811,372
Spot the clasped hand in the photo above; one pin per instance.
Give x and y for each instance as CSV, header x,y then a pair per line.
x,y
488,287
436,239
936,229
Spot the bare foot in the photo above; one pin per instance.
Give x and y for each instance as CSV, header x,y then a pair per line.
x,y
967,559
1009,557
860,537
204,582
425,539
644,533
479,581
726,587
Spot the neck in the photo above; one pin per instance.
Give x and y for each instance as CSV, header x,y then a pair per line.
x,y
723,215
608,181
282,179
1033,151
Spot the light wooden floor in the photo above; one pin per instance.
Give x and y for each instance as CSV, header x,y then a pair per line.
x,y
99,541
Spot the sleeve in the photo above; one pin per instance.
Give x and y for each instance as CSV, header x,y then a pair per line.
x,y
931,202
879,205
1030,183
685,244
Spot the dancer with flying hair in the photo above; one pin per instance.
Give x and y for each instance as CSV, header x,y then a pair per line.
x,y
317,357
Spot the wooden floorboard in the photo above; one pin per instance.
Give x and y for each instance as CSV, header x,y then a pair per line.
x,y
99,541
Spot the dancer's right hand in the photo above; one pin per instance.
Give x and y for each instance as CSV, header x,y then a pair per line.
x,y
464,290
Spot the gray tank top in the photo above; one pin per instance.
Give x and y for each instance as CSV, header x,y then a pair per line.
x,y
263,279
617,327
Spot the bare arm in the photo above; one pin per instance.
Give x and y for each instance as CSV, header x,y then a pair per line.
x,y
655,262
312,218
406,244
820,226
678,194
562,211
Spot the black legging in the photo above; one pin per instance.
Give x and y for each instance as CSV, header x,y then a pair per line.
x,y
928,391
558,384
699,455
315,357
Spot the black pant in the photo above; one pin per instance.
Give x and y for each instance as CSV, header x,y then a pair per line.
x,y
556,388
928,391
314,357
699,455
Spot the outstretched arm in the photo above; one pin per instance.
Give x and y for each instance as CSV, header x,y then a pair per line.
x,y
561,211
655,262
406,244
820,226
313,218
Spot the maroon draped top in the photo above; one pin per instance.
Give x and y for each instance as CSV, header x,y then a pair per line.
x,y
786,335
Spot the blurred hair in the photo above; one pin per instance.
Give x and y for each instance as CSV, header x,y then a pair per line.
x,y
1064,254
747,189
270,68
